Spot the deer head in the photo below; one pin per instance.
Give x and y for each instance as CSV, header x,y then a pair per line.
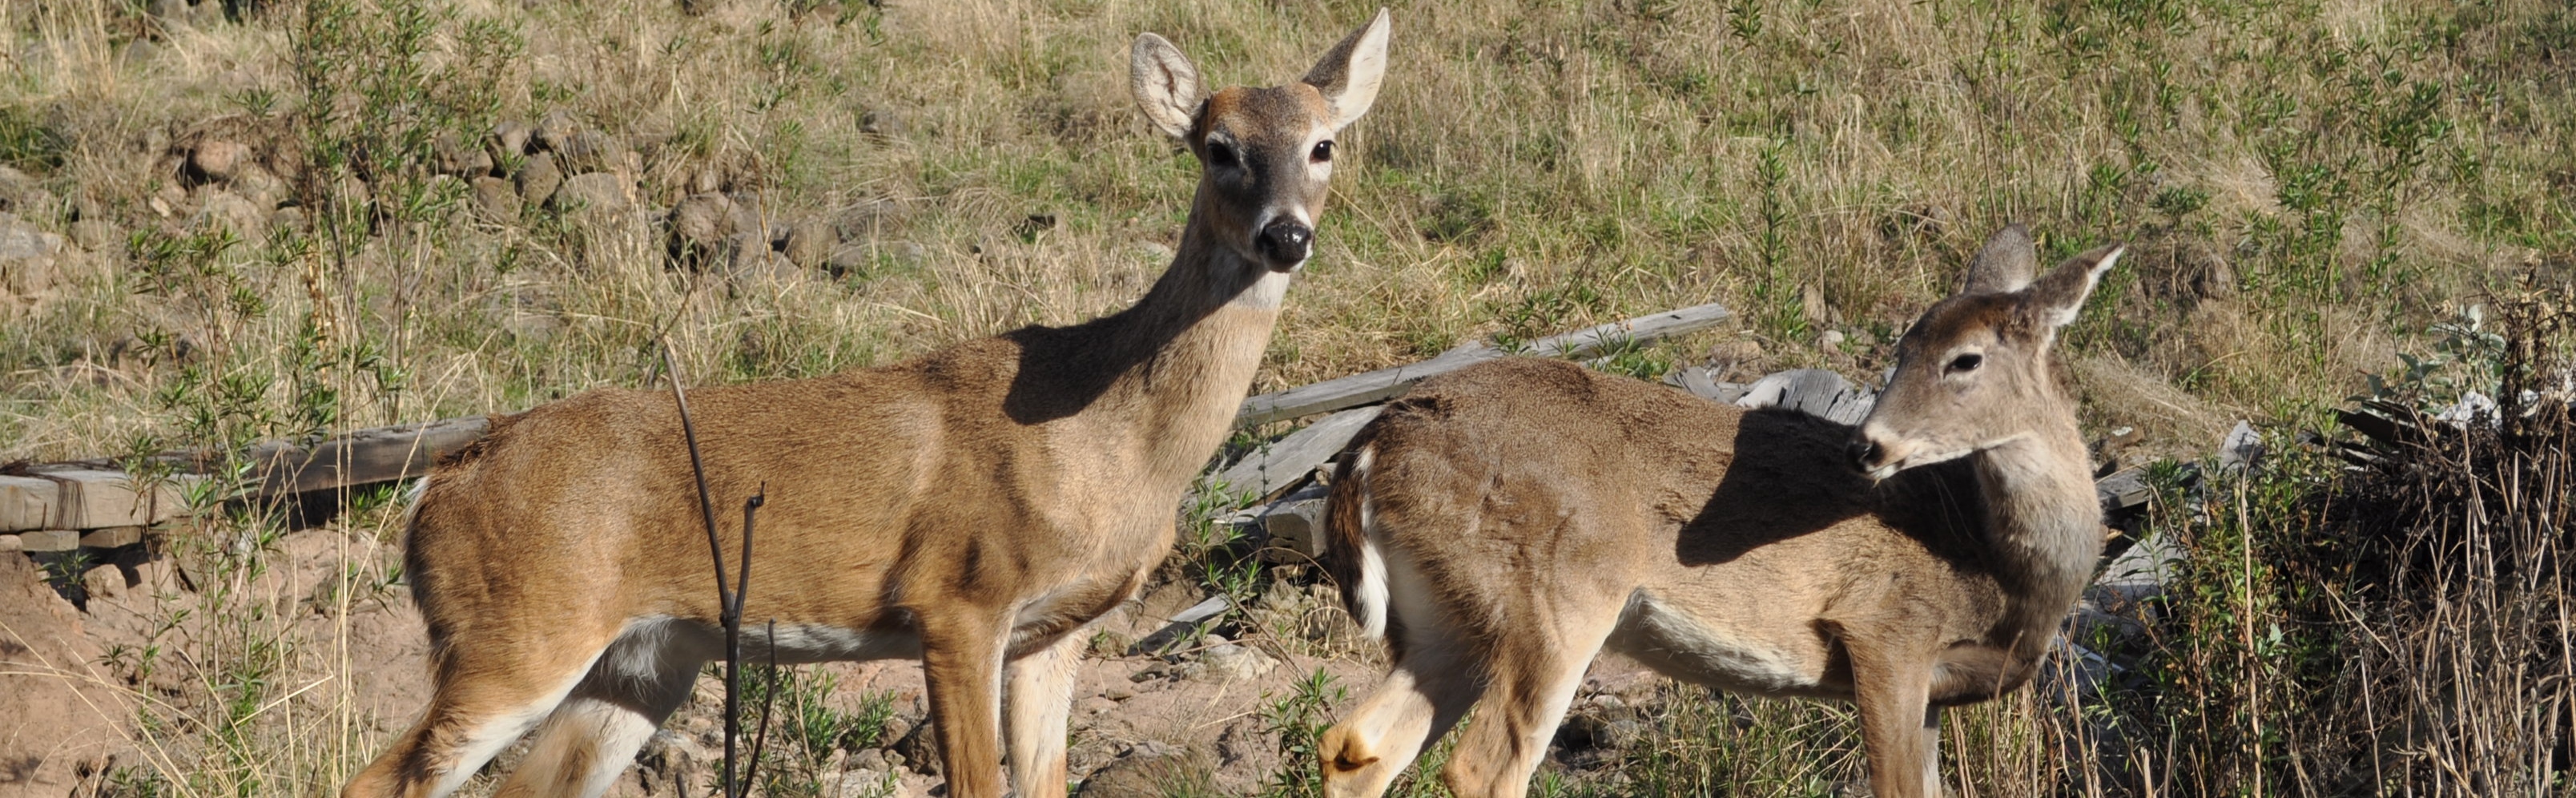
x,y
1268,151
1973,373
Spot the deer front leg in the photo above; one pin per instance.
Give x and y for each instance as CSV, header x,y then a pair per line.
x,y
1892,689
1039,697
961,661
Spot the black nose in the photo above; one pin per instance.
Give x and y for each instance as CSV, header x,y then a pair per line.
x,y
1864,453
1285,242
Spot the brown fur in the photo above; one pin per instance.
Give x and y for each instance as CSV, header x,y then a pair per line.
x,y
973,507
1540,512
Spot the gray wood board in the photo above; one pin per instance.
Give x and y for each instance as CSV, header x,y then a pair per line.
x,y
1379,385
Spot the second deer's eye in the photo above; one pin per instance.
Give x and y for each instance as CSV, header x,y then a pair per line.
x,y
1323,151
1219,154
1966,363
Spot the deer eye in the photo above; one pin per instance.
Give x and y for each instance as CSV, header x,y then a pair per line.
x,y
1966,363
1323,151
1220,155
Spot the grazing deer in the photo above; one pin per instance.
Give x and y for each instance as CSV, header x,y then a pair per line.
x,y
974,507
1501,525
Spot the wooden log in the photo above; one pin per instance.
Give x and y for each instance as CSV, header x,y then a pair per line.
x,y
364,457
1379,385
1283,463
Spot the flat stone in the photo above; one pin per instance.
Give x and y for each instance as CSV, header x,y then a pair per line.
x,y
49,540
9,543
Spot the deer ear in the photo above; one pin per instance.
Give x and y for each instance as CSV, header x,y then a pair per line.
x,y
2058,296
1348,75
2005,265
1166,85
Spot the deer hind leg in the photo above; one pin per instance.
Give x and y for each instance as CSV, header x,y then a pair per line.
x,y
1534,672
1430,688
1039,698
488,693
594,734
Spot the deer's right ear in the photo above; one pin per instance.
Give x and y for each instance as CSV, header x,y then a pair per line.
x,y
1348,75
2005,265
1166,85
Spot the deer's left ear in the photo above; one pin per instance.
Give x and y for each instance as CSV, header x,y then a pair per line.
x,y
1348,75
2059,295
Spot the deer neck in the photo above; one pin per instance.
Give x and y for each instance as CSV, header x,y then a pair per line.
x,y
1182,358
2044,525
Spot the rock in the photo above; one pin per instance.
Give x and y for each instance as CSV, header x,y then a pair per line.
x,y
225,210
596,193
28,260
1831,339
555,132
1118,692
593,151
538,180
1151,770
875,759
286,218
496,198
112,537
49,540
880,124
701,220
96,237
508,138
104,581
919,749
260,187
751,214
1227,662
810,243
15,188
218,159
749,259
137,54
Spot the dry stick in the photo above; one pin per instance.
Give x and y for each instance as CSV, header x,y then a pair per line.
x,y
729,601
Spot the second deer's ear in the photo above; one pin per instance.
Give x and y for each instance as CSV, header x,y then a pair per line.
x,y
1167,87
2057,297
1348,75
2004,265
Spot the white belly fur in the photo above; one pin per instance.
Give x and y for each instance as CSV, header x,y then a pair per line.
x,y
1682,646
795,643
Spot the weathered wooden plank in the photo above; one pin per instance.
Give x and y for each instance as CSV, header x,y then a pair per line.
x,y
1374,386
1267,470
48,540
93,499
26,503
364,457
111,537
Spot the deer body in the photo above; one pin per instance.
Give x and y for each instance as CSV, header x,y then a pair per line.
x,y
974,507
1504,524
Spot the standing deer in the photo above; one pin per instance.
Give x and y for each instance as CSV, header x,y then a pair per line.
x,y
1502,525
974,507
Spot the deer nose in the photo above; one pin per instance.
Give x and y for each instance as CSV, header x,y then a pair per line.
x,y
1285,242
1864,452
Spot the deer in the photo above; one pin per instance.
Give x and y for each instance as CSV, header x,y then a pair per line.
x,y
1501,526
973,508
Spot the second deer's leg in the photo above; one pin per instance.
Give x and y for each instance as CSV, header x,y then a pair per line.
x,y
1429,689
1535,671
961,662
1039,697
